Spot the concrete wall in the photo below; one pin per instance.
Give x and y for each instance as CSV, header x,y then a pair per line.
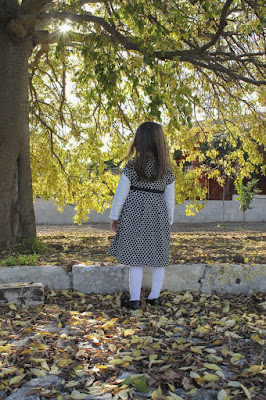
x,y
46,212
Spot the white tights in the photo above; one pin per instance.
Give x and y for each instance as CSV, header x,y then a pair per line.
x,y
135,282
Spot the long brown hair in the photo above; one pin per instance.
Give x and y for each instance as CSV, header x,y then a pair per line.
x,y
149,140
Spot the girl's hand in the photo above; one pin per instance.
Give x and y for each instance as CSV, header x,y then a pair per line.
x,y
113,225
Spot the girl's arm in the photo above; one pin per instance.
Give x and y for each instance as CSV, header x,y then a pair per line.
x,y
120,196
169,196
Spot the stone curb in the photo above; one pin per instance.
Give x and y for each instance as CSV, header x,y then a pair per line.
x,y
205,278
29,294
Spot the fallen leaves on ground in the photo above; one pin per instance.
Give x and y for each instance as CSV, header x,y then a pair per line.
x,y
192,343
244,247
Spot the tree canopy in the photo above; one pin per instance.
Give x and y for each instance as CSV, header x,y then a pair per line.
x,y
101,67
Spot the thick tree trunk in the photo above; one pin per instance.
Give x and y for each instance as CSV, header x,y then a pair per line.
x,y
16,204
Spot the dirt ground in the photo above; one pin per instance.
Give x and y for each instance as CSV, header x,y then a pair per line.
x,y
190,243
209,227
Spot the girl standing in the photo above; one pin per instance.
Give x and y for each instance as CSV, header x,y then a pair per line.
x,y
142,211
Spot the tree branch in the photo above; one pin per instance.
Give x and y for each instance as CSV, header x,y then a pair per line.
x,y
33,6
111,29
44,49
83,2
195,56
221,27
224,70
45,37
127,41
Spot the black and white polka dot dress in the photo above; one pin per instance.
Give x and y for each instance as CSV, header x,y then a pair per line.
x,y
143,233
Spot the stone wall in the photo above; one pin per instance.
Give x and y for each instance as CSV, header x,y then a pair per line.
x,y
214,211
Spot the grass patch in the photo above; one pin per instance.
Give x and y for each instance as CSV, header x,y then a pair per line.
x,y
21,259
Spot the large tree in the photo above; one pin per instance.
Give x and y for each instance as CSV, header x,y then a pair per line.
x,y
77,76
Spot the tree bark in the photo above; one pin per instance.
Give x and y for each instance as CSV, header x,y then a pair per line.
x,y
16,203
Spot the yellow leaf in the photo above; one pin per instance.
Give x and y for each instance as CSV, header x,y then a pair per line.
x,y
210,377
236,357
16,379
156,345
71,384
194,375
220,373
12,306
233,335
171,387
44,365
233,383
203,329
254,368
45,333
135,339
129,332
100,366
37,360
136,353
39,346
111,346
168,305
196,350
230,323
224,352
5,349
110,324
157,394
212,366
246,391
117,361
222,395
64,362
140,358
80,294
8,371
218,342
123,394
263,372
125,364
38,372
176,397
257,339
192,391
213,358
54,370
76,395
128,358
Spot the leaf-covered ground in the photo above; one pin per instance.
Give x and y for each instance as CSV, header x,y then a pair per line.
x,y
67,245
194,346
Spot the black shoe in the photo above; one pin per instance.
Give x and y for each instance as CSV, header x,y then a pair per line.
x,y
154,302
132,304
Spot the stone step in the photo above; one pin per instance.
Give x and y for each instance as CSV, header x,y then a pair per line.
x,y
29,294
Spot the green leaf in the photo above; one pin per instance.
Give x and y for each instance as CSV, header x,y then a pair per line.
x,y
141,386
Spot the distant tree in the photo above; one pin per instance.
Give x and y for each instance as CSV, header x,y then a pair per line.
x,y
78,76
246,193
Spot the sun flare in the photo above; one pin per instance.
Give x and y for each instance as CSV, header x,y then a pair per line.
x,y
64,28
